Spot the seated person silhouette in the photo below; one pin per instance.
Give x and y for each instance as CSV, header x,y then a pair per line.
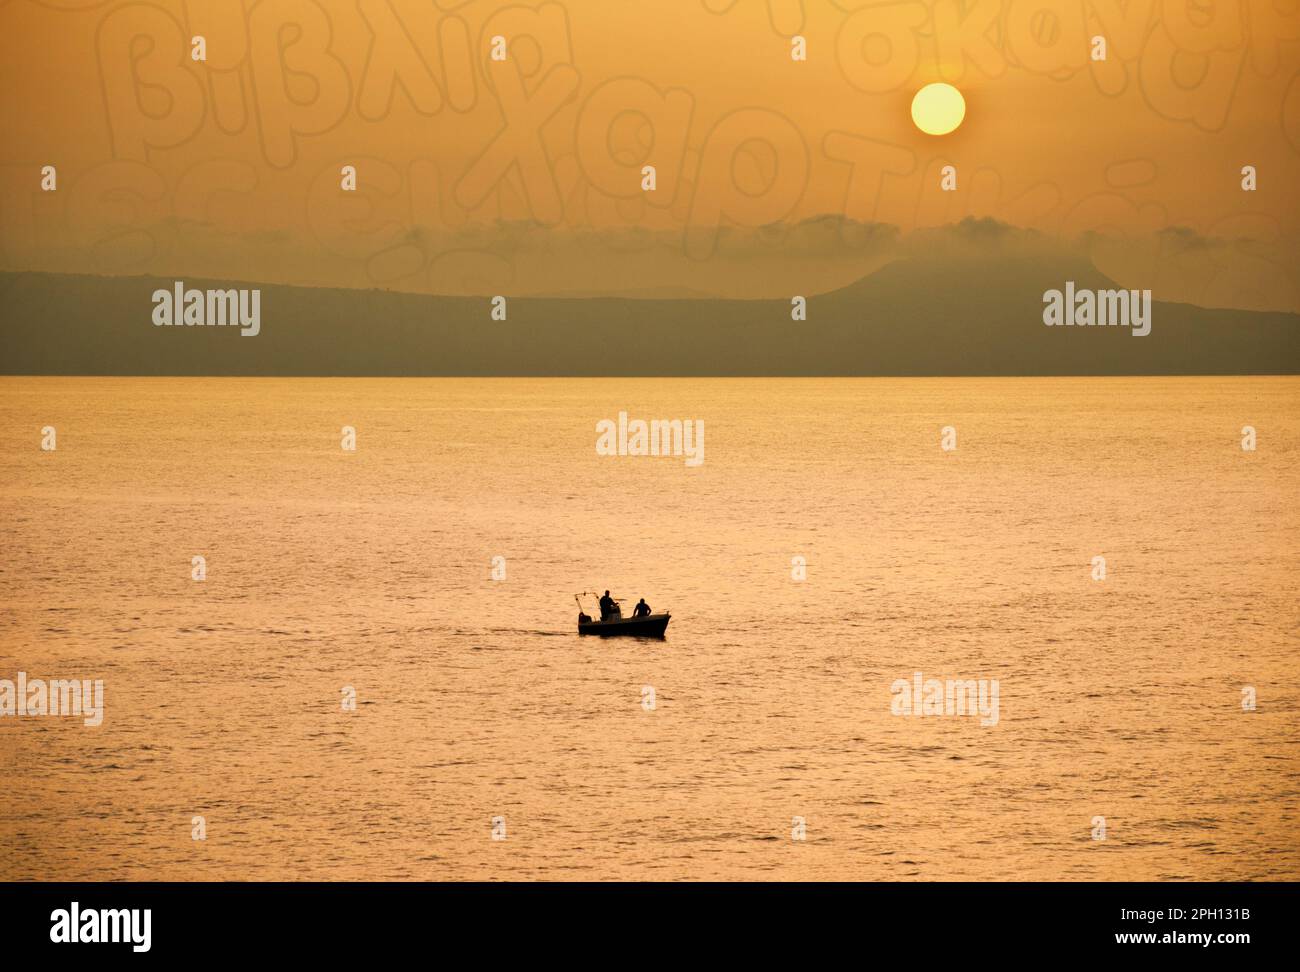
x,y
641,610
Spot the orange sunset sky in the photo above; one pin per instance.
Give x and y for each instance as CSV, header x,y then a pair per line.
x,y
525,173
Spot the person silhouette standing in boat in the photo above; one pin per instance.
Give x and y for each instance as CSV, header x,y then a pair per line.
x,y
608,609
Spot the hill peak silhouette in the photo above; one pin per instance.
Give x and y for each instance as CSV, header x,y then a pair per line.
x,y
946,314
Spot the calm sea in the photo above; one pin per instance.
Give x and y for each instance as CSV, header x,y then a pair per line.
x,y
478,706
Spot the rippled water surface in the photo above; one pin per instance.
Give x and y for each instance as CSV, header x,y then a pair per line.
x,y
1119,698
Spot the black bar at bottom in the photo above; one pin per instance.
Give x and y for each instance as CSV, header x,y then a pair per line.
x,y
331,921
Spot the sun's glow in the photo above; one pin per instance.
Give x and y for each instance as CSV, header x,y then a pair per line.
x,y
938,108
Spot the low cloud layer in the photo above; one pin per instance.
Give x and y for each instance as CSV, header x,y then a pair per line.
x,y
810,256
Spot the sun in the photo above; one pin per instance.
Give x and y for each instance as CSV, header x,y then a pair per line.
x,y
938,108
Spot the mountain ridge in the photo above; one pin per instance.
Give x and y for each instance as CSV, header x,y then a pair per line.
x,y
936,315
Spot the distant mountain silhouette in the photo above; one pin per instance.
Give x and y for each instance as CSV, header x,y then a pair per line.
x,y
635,293
940,315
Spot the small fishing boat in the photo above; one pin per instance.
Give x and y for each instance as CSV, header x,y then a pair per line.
x,y
649,626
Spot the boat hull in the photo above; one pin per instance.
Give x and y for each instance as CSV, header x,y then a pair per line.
x,y
652,626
